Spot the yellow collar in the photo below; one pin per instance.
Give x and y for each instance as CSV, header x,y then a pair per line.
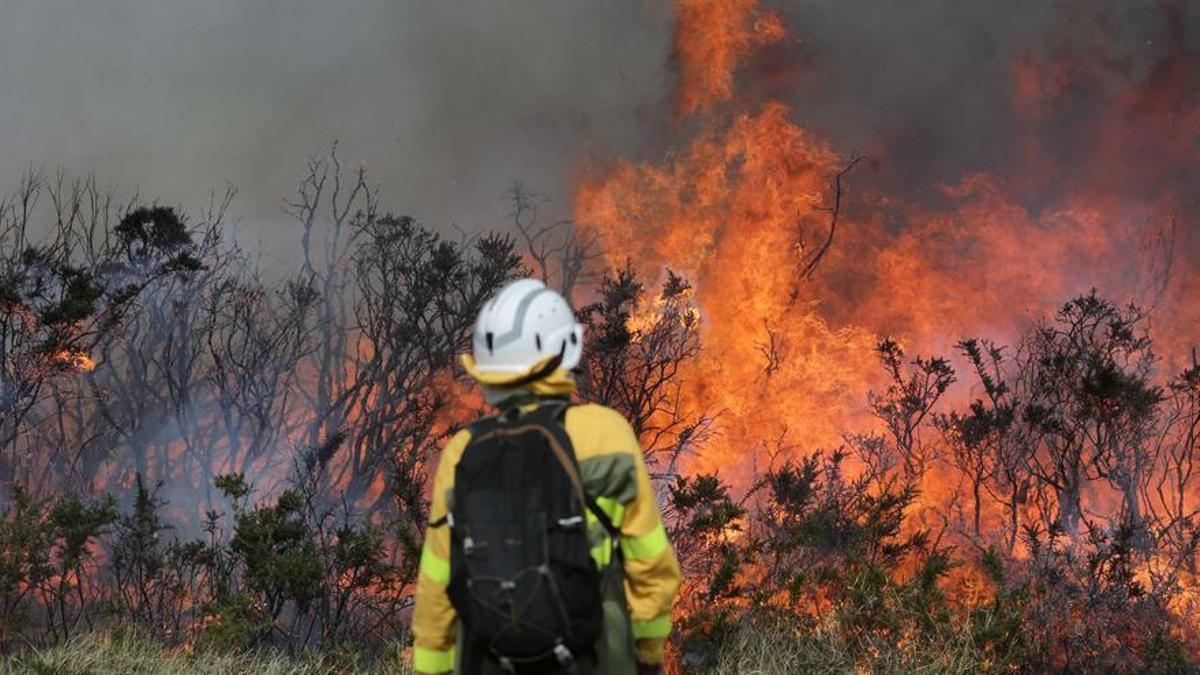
x,y
559,382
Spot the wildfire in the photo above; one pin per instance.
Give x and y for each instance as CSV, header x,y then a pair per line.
x,y
742,198
712,38
653,311
730,212
76,360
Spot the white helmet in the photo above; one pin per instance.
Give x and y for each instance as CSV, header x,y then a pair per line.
x,y
525,332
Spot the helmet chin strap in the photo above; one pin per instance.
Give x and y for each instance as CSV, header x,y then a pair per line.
x,y
541,371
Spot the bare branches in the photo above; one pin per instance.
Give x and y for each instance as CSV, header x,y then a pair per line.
x,y
810,260
634,365
908,400
1158,257
65,293
769,349
324,191
561,257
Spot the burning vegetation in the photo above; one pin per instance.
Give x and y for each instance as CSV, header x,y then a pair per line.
x,y
962,419
954,428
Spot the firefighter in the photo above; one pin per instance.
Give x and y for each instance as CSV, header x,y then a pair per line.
x,y
526,343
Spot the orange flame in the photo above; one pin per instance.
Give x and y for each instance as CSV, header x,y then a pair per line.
x,y
713,38
739,205
76,360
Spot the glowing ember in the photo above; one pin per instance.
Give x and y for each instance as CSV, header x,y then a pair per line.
x,y
74,360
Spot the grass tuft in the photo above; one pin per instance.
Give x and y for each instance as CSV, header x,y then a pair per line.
x,y
127,653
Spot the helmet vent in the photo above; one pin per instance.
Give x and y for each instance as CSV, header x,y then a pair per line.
x,y
574,339
538,338
490,337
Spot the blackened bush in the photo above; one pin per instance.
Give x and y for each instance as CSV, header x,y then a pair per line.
x,y
24,541
140,563
1087,608
808,543
705,523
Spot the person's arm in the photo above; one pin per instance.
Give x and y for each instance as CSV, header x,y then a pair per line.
x,y
652,574
434,618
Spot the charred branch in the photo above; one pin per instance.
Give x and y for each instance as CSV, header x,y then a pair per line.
x,y
810,260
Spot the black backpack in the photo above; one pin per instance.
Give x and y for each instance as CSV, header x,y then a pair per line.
x,y
521,575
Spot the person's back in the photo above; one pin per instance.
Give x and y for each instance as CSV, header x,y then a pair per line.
x,y
526,343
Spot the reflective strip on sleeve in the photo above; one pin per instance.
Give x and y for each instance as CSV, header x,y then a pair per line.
x,y
432,661
645,546
433,567
654,628
602,554
601,549
612,508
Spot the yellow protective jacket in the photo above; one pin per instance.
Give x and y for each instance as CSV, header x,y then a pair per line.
x,y
614,473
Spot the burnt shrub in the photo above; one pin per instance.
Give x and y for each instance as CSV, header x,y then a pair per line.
x,y
149,571
24,541
1086,607
807,543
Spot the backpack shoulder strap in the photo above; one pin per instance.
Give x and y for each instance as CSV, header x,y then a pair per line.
x,y
481,426
476,429
553,413
614,532
550,411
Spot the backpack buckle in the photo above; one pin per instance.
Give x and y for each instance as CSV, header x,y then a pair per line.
x,y
564,655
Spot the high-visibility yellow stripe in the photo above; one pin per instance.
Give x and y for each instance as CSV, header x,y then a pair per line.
x,y
433,661
433,567
654,628
647,545
602,554
615,510
612,508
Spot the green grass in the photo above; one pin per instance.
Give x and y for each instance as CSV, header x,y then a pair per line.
x,y
127,653
761,650
750,652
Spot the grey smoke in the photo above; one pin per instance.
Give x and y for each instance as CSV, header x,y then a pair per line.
x,y
927,86
449,100
446,101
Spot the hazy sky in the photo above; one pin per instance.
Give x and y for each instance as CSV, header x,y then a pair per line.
x,y
446,101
